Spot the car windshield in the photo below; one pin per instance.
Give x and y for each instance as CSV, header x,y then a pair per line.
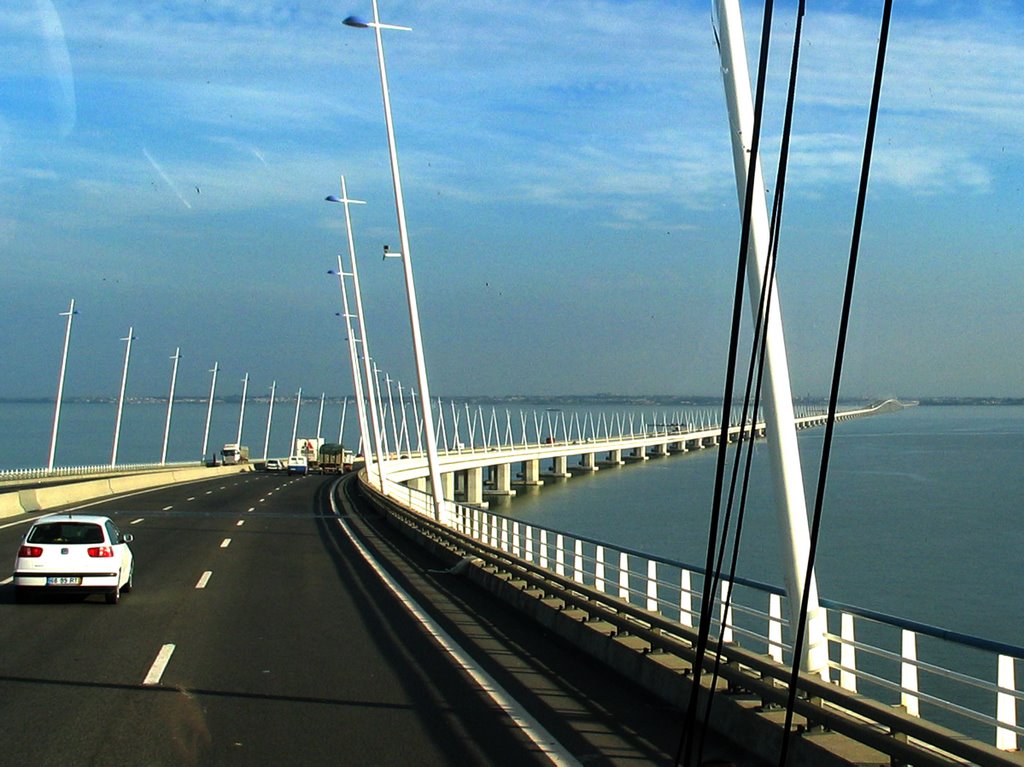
x,y
66,532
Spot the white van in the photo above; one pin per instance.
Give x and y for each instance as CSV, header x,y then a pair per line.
x,y
297,464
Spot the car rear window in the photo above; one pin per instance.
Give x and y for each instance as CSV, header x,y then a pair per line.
x,y
66,532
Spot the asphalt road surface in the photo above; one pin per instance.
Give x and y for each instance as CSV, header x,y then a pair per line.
x,y
257,633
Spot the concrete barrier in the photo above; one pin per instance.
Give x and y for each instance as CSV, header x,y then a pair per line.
x,y
55,496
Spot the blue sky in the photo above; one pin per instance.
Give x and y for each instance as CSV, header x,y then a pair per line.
x,y
568,183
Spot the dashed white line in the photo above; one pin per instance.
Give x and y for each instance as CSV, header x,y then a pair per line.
x,y
167,508
252,508
239,523
204,579
136,521
225,543
209,492
159,665
190,498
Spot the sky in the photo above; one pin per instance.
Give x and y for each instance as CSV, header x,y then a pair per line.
x,y
568,184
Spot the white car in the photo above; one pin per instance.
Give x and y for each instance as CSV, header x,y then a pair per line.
x,y
74,553
273,464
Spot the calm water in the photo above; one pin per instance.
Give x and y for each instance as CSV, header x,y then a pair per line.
x,y
924,513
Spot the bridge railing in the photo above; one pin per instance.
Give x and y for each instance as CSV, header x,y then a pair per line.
x,y
956,681
27,475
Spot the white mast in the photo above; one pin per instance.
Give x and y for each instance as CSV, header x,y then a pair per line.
x,y
791,505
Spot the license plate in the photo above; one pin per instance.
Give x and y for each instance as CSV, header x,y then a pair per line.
x,y
63,580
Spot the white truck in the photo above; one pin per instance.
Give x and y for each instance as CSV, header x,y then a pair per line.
x,y
308,448
232,452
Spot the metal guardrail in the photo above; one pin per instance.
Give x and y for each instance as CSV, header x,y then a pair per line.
x,y
99,470
906,678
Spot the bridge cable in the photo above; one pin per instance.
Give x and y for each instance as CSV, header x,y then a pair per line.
x,y
687,742
837,372
755,375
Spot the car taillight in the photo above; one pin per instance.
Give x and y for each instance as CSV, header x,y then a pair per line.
x,y
101,551
30,551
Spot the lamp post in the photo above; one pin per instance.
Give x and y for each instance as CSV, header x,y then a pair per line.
x,y
372,391
410,288
209,408
295,423
60,383
241,412
170,404
120,396
270,414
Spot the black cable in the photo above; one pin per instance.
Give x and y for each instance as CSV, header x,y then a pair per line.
x,y
758,353
836,374
686,742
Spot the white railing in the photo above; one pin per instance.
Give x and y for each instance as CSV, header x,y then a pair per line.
x,y
26,475
961,682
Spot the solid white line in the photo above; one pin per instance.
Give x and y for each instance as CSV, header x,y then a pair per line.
x,y
225,543
157,669
136,521
239,523
204,579
533,729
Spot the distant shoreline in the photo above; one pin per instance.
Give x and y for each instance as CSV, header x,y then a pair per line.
x,y
566,400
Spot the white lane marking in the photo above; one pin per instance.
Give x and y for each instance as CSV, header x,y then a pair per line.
x,y
190,498
157,669
252,508
222,487
209,492
262,500
204,579
167,508
530,727
239,523
19,522
136,521
8,579
225,543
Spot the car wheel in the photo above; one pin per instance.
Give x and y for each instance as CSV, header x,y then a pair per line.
x,y
114,595
131,580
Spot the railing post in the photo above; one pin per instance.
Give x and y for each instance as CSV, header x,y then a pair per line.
x,y
577,562
599,569
908,674
725,612
652,586
624,576
775,627
516,551
848,654
559,554
544,549
529,543
685,599
504,534
1006,705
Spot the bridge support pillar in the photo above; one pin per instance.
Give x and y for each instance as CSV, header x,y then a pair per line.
x,y
531,473
639,454
448,485
661,449
559,467
588,462
614,458
475,486
502,475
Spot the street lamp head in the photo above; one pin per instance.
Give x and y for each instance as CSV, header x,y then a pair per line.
x,y
355,21
333,198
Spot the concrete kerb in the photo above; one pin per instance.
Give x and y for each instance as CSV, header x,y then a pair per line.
x,y
54,496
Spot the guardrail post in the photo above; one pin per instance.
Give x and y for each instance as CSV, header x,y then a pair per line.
x,y
624,576
559,554
529,543
544,549
848,653
504,534
599,569
908,674
775,627
652,585
685,599
1006,705
725,612
577,561
515,540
